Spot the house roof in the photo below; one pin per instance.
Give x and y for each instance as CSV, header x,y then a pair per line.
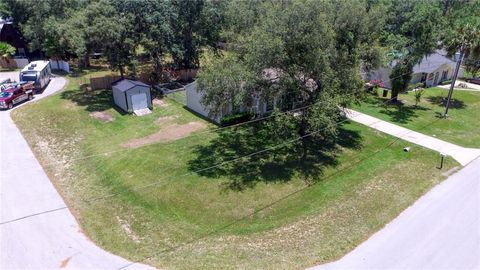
x,y
126,84
431,62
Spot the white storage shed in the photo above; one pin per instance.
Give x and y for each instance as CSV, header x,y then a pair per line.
x,y
131,95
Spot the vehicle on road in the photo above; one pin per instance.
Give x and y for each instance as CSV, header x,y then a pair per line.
x,y
14,95
38,72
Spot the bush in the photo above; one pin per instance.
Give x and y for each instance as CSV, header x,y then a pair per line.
x,y
418,96
236,118
446,82
420,85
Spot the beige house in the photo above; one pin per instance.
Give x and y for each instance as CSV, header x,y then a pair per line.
x,y
432,70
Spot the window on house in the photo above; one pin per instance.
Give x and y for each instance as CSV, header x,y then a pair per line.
x,y
270,104
444,75
424,77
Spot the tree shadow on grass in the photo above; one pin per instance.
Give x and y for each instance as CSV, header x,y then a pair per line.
x,y
401,113
442,102
92,100
282,162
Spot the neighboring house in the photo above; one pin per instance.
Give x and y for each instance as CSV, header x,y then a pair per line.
x,y
432,70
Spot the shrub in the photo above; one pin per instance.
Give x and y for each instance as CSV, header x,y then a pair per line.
x,y
418,96
420,85
446,82
236,118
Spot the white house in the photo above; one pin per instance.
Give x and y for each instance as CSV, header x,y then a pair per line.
x,y
195,96
432,70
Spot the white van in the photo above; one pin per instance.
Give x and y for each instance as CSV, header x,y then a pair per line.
x,y
38,72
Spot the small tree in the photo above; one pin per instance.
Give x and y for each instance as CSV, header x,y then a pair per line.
x,y
418,95
400,78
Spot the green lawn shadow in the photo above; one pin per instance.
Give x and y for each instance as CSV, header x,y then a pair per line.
x,y
277,165
442,102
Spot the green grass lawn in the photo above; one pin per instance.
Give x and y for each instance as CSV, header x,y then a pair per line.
x,y
256,214
461,127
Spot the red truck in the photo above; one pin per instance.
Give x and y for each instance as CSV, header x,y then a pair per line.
x,y
16,94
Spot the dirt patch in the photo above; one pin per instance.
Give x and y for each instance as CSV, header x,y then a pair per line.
x,y
128,230
102,116
69,105
169,133
164,119
160,102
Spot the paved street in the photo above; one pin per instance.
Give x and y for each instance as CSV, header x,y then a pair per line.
x,y
440,231
48,241
461,154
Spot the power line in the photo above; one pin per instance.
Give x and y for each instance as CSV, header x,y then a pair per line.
x,y
196,133
213,232
156,183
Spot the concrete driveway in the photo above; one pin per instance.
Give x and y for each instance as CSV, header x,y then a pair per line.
x,y
471,86
50,240
439,231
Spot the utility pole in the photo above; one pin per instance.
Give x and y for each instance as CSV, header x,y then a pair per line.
x,y
454,78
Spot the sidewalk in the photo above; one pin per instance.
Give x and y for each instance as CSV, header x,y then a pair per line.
x,y
461,154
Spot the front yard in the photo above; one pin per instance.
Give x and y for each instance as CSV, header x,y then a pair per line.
x,y
253,214
461,127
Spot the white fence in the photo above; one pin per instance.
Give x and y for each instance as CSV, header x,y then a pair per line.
x,y
59,65
21,62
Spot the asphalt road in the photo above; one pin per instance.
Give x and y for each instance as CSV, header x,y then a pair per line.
x,y
48,241
440,231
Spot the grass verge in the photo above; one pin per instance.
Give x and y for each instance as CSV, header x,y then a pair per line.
x,y
459,128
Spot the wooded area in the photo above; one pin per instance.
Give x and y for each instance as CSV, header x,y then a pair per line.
x,y
297,53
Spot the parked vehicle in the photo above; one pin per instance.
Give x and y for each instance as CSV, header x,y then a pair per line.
x,y
38,72
15,95
5,84
473,80
25,85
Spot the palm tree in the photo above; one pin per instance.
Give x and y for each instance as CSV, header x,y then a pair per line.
x,y
463,37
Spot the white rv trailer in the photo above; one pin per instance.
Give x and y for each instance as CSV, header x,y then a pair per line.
x,y
38,72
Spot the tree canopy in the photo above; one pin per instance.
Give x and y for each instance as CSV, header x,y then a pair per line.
x,y
299,54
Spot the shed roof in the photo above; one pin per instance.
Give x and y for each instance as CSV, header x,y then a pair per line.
x,y
126,84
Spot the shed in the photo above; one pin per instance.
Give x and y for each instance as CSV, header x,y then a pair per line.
x,y
131,95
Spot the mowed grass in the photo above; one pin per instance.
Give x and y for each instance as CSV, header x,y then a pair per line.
x,y
461,127
148,204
